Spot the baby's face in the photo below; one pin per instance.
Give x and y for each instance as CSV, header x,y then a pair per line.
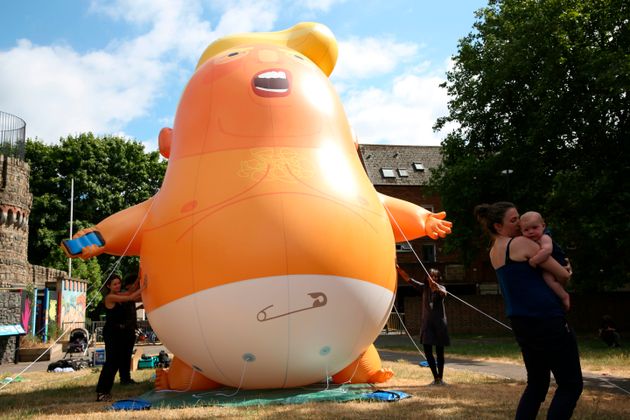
x,y
532,228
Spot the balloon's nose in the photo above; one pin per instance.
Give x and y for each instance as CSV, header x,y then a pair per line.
x,y
267,56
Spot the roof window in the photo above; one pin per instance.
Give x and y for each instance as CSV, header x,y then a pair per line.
x,y
388,173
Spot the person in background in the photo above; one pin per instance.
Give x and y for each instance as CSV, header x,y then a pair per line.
x,y
608,332
113,334
434,331
547,342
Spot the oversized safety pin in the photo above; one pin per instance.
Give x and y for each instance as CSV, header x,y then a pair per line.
x,y
317,303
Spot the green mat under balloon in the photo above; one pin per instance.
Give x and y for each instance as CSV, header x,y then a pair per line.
x,y
242,398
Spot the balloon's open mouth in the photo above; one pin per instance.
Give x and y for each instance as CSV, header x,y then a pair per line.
x,y
270,83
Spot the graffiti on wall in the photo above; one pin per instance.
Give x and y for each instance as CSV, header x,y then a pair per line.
x,y
73,302
52,310
26,310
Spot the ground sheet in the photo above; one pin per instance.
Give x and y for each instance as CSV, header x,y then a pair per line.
x,y
242,398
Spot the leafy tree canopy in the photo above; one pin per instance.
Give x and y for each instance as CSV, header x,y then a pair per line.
x,y
110,174
539,98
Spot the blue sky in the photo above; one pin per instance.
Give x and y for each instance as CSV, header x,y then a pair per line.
x,y
119,66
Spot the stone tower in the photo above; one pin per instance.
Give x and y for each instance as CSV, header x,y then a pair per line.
x,y
15,202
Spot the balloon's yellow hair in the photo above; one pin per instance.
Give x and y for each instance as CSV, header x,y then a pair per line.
x,y
311,39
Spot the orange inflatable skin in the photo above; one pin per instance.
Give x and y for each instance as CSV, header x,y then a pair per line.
x,y
267,248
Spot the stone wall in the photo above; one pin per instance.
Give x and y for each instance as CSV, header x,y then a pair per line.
x,y
9,314
15,271
41,275
15,207
11,300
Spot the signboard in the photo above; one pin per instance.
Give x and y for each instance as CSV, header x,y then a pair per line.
x,y
15,329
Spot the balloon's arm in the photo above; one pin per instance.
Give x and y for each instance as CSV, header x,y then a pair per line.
x,y
405,276
410,221
119,234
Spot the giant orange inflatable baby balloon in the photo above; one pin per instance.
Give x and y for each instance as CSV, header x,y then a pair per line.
x,y
268,258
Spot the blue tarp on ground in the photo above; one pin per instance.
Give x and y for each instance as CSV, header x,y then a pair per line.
x,y
243,398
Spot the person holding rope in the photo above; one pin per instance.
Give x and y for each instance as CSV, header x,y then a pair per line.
x,y
434,331
131,284
547,343
116,346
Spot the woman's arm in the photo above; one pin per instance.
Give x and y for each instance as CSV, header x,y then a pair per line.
x,y
134,286
522,249
113,298
436,287
413,282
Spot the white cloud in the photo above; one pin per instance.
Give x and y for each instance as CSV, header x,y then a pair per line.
x,y
175,29
323,5
247,16
362,58
59,92
402,114
402,111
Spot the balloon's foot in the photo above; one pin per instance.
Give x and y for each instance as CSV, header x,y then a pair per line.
x,y
181,377
383,375
366,369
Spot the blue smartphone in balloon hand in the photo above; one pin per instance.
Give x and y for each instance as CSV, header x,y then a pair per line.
x,y
73,247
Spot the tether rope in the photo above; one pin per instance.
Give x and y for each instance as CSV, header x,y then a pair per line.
x,y
221,394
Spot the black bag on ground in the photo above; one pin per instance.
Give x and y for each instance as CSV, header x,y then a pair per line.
x,y
63,363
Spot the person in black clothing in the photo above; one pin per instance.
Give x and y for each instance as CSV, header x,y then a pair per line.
x,y
113,333
129,332
434,331
539,324
608,332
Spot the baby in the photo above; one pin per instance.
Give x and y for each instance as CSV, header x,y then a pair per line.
x,y
533,227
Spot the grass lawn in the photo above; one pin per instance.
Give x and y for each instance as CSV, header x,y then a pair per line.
x,y
595,355
468,395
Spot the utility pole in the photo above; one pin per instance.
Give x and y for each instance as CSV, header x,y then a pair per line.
x,y
71,217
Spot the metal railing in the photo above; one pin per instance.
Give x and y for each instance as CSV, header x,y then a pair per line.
x,y
144,332
12,135
393,324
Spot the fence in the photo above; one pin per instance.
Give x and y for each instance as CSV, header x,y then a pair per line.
x,y
394,325
144,332
584,317
12,135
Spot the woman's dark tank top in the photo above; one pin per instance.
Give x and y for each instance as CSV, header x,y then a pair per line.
x,y
525,292
116,316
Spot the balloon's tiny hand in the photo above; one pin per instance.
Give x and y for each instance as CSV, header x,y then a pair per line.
x,y
91,251
84,232
435,226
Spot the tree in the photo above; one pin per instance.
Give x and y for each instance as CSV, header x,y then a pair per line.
x,y
539,98
110,174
